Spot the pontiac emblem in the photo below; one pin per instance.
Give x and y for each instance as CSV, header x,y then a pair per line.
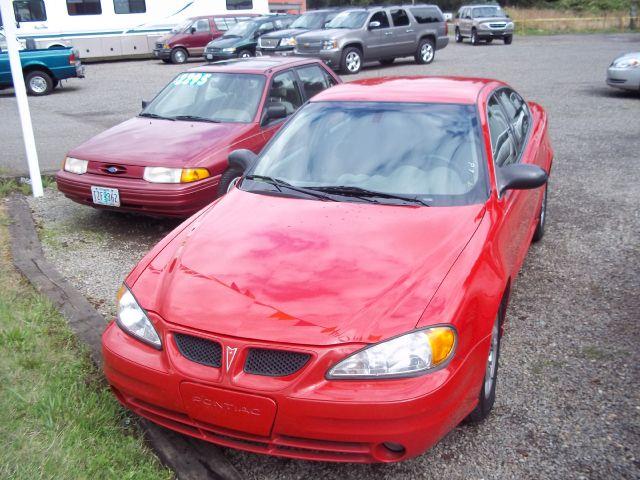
x,y
231,354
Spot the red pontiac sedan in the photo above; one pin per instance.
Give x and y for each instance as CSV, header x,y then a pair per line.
x,y
346,300
172,158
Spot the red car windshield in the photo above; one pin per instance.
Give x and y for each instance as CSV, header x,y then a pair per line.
x,y
212,97
426,151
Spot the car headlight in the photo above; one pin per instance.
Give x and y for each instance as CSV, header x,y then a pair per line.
x,y
626,63
75,165
229,50
510,25
166,46
133,319
174,175
483,26
288,42
404,356
329,44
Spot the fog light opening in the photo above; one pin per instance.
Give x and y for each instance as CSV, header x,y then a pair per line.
x,y
390,451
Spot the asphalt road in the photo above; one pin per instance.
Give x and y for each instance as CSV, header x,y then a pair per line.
x,y
568,402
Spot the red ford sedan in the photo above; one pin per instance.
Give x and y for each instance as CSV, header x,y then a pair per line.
x,y
172,158
346,300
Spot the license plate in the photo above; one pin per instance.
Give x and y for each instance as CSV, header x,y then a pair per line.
x,y
228,409
106,196
209,56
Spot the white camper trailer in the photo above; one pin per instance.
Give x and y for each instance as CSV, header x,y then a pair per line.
x,y
114,28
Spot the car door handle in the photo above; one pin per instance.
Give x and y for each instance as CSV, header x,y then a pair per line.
x,y
388,33
410,30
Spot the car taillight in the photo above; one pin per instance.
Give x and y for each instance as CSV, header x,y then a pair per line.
x,y
72,58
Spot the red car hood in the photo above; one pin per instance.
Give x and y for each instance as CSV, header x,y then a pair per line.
x,y
147,141
304,271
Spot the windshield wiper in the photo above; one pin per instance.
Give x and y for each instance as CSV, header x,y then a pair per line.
x,y
276,182
195,118
351,191
154,115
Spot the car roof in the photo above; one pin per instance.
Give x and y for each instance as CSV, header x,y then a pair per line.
x,y
260,65
377,7
463,90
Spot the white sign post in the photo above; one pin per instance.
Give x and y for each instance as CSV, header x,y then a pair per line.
x,y
10,30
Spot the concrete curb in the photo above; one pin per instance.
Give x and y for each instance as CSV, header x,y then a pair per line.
x,y
188,458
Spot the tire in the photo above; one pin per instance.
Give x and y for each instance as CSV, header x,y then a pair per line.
x,y
56,83
474,37
38,83
227,180
387,61
426,52
458,36
351,61
542,218
245,54
508,39
489,40
166,60
487,395
179,55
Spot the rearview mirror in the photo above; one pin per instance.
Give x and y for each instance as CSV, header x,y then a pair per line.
x,y
145,103
192,30
275,111
242,159
374,24
520,176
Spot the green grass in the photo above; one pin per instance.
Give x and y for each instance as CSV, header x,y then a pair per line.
x,y
58,419
9,185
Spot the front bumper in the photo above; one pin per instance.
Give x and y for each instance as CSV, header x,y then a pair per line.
x,y
624,78
442,42
162,53
137,195
219,55
330,57
281,52
302,415
494,33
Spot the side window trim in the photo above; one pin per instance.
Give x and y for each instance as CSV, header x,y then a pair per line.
x,y
525,139
519,149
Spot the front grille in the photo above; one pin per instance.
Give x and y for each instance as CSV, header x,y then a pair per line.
x,y
309,47
497,25
269,42
213,50
274,363
199,350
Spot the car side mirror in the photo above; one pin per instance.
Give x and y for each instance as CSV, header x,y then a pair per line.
x,y
242,159
520,176
145,103
275,111
192,30
373,25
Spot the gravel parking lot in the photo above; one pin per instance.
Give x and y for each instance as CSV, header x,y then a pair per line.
x,y
568,401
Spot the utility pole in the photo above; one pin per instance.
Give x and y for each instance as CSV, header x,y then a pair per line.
x,y
11,32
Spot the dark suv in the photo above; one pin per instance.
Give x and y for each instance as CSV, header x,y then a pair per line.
x,y
240,41
359,35
283,42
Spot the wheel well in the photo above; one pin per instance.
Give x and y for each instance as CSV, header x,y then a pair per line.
x,y
55,46
429,37
32,68
503,304
356,45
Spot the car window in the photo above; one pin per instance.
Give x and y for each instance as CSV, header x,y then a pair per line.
x,y
380,17
348,20
426,14
399,18
283,22
517,114
239,4
84,7
223,24
202,25
284,90
314,79
129,6
429,150
503,145
218,97
29,11
266,27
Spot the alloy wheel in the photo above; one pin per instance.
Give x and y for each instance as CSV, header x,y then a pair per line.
x,y
492,361
180,56
38,84
426,52
353,62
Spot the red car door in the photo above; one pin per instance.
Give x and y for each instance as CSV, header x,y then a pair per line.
x,y
197,36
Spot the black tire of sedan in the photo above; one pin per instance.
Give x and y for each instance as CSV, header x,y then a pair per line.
x,y
474,37
458,36
487,395
227,180
179,55
426,52
387,61
245,54
542,218
351,61
508,39
38,83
